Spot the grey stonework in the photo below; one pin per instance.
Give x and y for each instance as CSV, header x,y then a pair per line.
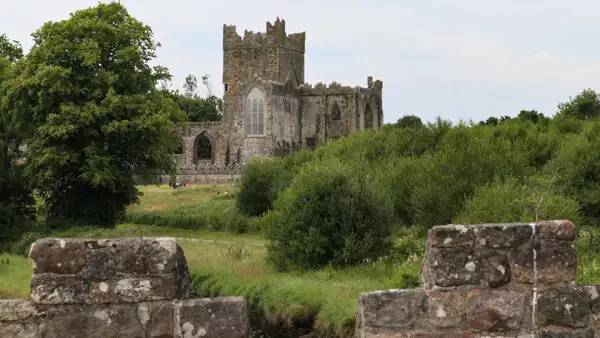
x,y
110,288
295,114
490,280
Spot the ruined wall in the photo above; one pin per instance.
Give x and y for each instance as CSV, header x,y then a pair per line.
x,y
493,280
128,287
296,115
358,107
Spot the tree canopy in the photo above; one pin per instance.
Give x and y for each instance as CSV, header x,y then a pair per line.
x,y
90,95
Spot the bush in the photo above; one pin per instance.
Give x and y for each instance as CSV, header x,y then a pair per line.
x,y
261,181
17,205
327,216
511,200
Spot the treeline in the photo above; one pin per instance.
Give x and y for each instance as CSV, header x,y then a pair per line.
x,y
339,204
83,113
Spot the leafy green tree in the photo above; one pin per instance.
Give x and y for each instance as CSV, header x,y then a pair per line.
x,y
491,121
190,86
327,216
533,116
409,121
89,92
584,106
16,200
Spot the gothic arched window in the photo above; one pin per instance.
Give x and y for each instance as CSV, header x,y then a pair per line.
x,y
254,119
336,112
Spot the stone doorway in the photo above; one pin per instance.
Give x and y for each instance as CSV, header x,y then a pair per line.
x,y
203,153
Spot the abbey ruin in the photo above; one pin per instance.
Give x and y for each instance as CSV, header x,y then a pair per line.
x,y
268,110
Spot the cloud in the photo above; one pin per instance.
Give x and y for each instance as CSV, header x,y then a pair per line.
x,y
459,59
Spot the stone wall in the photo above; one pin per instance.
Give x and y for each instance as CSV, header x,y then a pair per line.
x,y
129,287
496,280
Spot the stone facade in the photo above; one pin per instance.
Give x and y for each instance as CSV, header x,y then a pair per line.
x,y
268,109
129,287
493,280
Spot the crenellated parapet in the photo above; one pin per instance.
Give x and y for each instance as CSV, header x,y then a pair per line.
x,y
209,169
275,35
335,88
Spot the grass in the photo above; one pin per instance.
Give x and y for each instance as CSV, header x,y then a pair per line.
x,y
163,197
227,263
15,273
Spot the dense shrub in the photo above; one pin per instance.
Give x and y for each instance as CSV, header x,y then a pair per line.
x,y
17,206
261,181
327,216
578,165
512,200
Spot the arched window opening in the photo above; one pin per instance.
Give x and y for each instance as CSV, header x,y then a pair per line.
x,y
203,150
336,112
368,117
254,113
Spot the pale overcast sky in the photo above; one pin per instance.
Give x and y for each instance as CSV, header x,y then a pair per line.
x,y
467,59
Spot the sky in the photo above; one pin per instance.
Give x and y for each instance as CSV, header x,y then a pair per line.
x,y
459,59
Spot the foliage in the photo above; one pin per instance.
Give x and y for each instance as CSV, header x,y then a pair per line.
x,y
409,121
88,91
196,108
326,217
512,200
584,106
260,184
16,200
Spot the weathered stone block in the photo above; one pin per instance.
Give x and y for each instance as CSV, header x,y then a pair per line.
x,y
494,310
567,306
556,261
454,267
450,334
594,293
79,271
449,236
157,319
446,308
12,330
84,321
16,310
504,235
394,309
554,333
56,255
223,317
68,289
376,333
559,230
497,268
523,264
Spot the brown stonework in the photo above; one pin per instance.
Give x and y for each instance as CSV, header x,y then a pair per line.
x,y
113,288
491,280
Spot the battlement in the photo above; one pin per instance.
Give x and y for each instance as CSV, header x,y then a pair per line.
x,y
337,88
275,36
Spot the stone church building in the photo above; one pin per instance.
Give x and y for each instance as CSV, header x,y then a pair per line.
x,y
268,110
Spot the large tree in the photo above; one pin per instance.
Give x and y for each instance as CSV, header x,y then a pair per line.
x,y
98,119
584,106
16,200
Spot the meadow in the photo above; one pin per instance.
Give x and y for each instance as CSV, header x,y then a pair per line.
x,y
226,263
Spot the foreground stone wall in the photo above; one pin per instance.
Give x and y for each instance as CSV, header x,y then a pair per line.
x,y
493,280
129,287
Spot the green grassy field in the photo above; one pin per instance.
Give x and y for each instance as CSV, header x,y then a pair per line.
x,y
224,263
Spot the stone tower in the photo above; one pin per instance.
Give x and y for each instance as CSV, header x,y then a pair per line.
x,y
268,109
254,65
